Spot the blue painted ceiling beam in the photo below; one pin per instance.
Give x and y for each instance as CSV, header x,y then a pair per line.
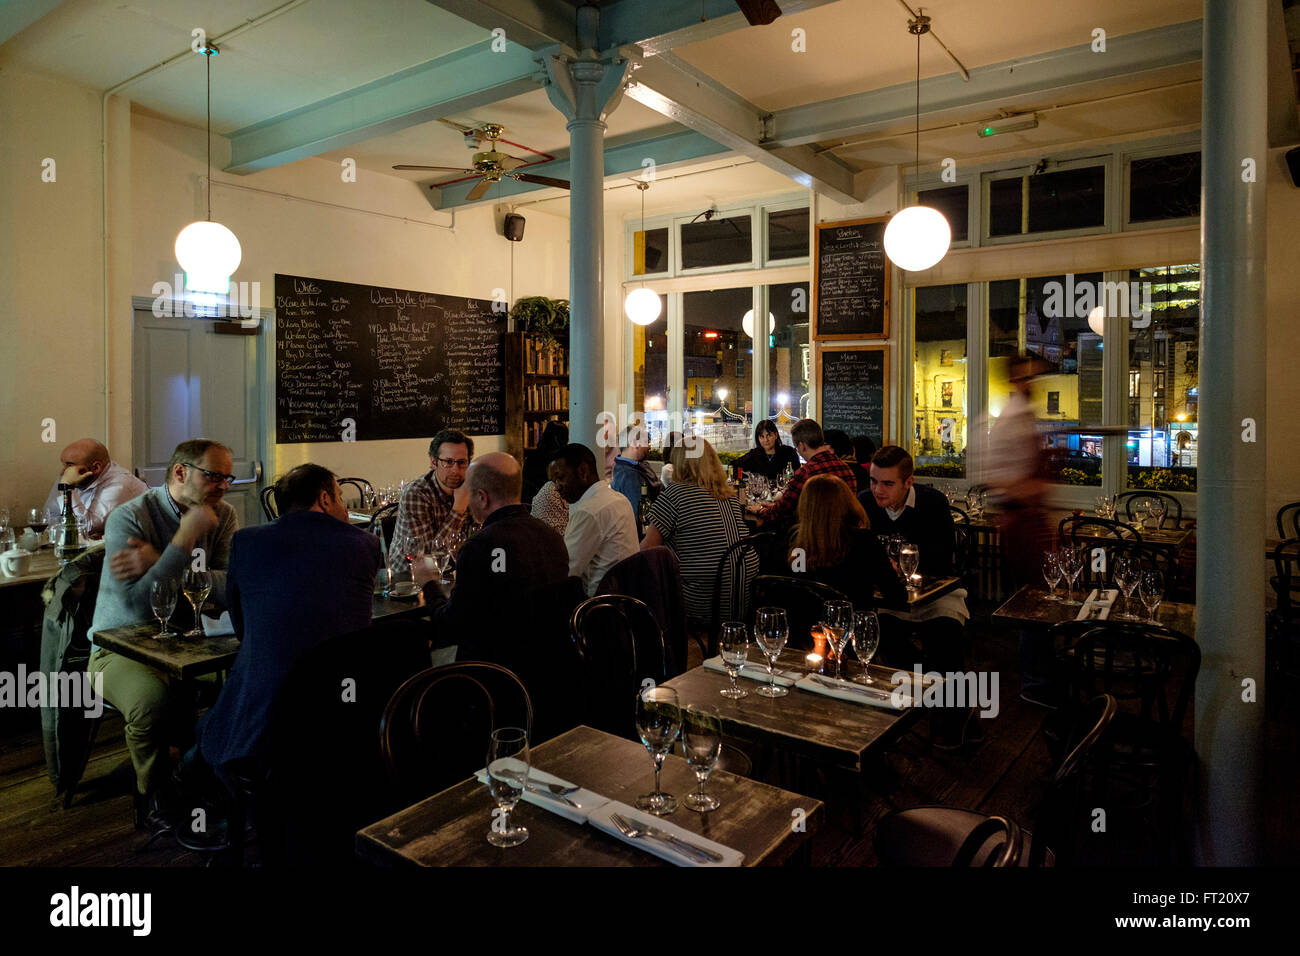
x,y
456,83
530,23
18,15
659,26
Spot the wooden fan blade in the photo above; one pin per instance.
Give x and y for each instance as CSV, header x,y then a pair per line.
x,y
759,12
512,162
540,180
480,190
444,169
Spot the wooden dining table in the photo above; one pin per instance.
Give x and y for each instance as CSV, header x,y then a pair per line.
x,y
43,567
768,825
1031,606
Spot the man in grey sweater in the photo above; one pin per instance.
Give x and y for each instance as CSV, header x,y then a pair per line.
x,y
156,537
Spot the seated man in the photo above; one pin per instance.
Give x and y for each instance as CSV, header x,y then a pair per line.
x,y
99,485
496,570
895,505
436,503
153,538
631,472
819,459
294,583
844,447
602,528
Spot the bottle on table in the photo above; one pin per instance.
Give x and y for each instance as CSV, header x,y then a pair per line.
x,y
68,543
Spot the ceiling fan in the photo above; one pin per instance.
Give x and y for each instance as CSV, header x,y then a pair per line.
x,y
493,166
759,12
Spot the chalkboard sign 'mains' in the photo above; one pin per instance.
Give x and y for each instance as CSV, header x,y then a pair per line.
x,y
853,385
851,291
397,363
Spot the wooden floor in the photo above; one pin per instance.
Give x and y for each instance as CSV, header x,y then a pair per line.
x,y
1005,774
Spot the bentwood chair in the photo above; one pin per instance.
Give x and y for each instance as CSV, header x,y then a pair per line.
x,y
270,507
961,543
1282,633
802,599
436,727
732,583
1288,520
385,518
619,645
1128,500
364,489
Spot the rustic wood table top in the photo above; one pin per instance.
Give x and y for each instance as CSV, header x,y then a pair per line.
x,y
826,729
43,567
450,828
1030,605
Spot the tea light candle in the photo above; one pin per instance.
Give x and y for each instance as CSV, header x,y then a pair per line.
x,y
814,662
914,581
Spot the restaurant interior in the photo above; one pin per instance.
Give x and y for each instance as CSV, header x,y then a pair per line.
x,y
412,184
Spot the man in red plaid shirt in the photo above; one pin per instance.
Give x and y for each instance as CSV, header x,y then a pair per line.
x,y
819,459
437,502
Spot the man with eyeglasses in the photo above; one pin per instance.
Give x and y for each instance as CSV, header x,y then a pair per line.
x,y
436,503
154,538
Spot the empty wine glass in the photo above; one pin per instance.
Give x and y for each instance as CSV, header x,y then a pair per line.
x,y
866,638
1151,588
1126,573
702,744
162,599
197,585
1140,509
1156,508
733,645
771,630
909,558
507,770
4,519
837,622
658,719
1052,573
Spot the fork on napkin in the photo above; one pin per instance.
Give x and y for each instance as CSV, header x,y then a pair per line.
x,y
1098,605
879,695
575,806
600,819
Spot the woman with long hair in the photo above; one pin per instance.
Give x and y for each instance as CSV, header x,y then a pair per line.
x,y
698,516
769,456
833,543
553,441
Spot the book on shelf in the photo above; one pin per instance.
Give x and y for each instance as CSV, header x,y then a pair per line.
x,y
539,360
533,430
540,397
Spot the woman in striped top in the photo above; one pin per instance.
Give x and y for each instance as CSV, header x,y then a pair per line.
x,y
699,517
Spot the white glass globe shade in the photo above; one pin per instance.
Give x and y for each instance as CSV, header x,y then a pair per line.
x,y
1097,320
917,237
747,323
642,306
209,253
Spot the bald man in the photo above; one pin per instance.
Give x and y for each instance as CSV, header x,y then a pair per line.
x,y
512,556
98,484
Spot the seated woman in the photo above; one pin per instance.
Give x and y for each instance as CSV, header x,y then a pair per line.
x,y
553,441
666,474
550,507
698,516
769,457
839,548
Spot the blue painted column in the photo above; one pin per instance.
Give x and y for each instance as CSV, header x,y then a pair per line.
x,y
1231,457
586,87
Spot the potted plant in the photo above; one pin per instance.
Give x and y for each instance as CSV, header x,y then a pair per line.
x,y
548,319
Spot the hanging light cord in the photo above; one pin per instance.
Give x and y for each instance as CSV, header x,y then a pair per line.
x,y
917,165
208,58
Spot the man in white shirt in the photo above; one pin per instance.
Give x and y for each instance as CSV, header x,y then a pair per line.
x,y
602,527
98,484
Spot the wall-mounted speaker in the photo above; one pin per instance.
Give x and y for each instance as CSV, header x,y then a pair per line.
x,y
1293,164
514,227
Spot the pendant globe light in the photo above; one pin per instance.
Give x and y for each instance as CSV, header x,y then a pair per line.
x,y
918,236
642,305
207,250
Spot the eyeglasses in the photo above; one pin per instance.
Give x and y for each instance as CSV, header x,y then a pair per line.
x,y
453,462
216,477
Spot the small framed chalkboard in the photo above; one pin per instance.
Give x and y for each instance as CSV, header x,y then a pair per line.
x,y
851,284
853,390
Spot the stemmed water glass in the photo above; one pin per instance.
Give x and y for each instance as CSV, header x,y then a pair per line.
x,y
733,645
771,630
975,502
1052,573
1140,509
507,771
1151,588
702,744
162,599
197,585
1156,508
1105,506
1126,573
1071,560
658,719
866,638
837,622
909,558
4,520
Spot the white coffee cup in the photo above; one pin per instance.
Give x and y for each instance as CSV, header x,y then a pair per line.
x,y
15,562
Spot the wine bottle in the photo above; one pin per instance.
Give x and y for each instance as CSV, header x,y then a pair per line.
x,y
69,539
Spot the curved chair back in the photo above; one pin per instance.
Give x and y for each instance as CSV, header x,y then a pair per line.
x,y
1286,582
1173,516
364,489
438,724
733,581
270,507
1082,530
620,645
961,541
654,577
1000,854
802,599
386,518
1288,520
1063,820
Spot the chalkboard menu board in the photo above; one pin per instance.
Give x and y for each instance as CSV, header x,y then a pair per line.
x,y
851,291
853,390
366,362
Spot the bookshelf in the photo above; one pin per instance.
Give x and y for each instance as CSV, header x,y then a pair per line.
x,y
537,390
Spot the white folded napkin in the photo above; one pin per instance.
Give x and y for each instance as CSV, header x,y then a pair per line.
x,y
755,670
586,800
877,695
217,627
1105,597
600,819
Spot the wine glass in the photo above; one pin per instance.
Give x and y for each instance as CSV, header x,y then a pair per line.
x,y
4,519
1052,573
1151,588
866,638
771,629
1156,508
507,770
1072,564
197,585
162,599
702,744
733,645
658,719
1140,509
909,557
837,622
37,520
1126,574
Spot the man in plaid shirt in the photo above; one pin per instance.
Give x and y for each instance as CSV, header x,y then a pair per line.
x,y
819,459
437,502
